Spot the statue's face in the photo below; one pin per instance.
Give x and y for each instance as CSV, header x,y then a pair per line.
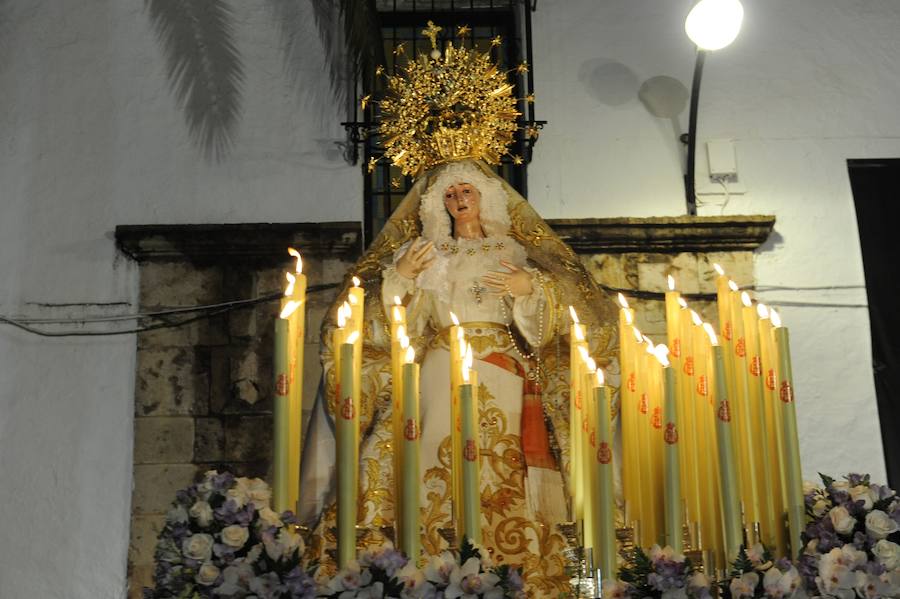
x,y
463,202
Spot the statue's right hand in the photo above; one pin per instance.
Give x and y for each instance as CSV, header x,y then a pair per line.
x,y
417,257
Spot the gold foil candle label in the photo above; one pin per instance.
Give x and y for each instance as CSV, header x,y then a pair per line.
x,y
347,410
740,348
770,379
604,453
671,434
755,365
786,393
656,419
703,385
726,331
282,385
470,453
411,431
724,412
643,405
689,366
632,382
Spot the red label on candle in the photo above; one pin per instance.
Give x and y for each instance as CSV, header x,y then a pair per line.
x,y
578,400
676,347
671,434
643,404
411,432
689,366
755,366
632,382
604,453
593,438
724,412
703,385
347,410
282,384
770,380
470,453
786,393
726,331
656,419
740,348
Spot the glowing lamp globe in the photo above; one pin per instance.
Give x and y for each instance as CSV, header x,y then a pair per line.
x,y
713,24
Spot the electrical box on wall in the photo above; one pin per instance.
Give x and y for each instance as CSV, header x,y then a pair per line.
x,y
719,171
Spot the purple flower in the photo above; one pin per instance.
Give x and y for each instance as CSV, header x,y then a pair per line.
x,y
222,482
860,540
857,479
245,516
227,512
299,584
514,580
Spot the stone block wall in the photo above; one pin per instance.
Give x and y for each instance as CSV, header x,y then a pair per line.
x,y
203,391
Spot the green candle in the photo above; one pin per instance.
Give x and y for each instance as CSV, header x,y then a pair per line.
x,y
604,491
674,502
347,433
731,508
471,470
281,417
410,541
785,393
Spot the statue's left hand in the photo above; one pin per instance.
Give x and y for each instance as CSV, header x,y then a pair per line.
x,y
516,282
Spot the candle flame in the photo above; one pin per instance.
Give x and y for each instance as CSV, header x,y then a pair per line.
x,y
465,373
629,319
622,301
454,319
289,308
637,334
732,285
341,317
682,302
591,365
573,314
469,360
650,349
404,342
299,266
776,317
718,269
579,332
711,333
671,281
396,311
695,318
462,345
410,355
291,279
762,310
401,331
352,337
397,301
600,380
584,353
356,281
662,354
745,299
460,333
353,299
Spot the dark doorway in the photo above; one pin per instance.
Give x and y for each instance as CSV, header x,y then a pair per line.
x,y
876,193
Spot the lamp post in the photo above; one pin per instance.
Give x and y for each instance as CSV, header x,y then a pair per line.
x,y
711,25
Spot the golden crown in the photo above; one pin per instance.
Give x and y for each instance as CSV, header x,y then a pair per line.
x,y
448,106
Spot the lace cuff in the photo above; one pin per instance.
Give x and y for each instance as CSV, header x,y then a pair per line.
x,y
394,284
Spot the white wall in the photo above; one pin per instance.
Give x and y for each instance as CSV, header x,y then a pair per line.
x,y
91,139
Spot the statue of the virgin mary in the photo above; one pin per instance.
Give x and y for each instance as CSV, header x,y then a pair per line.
x,y
464,241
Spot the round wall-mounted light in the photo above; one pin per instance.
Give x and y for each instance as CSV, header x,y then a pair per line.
x,y
713,24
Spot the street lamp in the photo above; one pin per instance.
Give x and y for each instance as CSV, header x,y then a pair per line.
x,y
711,25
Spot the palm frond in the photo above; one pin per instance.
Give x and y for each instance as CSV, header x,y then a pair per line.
x,y
350,34
204,68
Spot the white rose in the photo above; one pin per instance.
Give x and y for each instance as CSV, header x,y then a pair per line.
x,y
809,487
207,574
258,493
269,517
198,547
841,519
820,507
238,494
887,554
202,512
841,485
879,525
865,494
235,535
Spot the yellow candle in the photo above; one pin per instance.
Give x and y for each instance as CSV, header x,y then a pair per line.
x,y
603,486
281,417
456,344
471,469
631,480
398,338
347,439
588,436
410,541
646,468
745,450
731,514
576,486
688,430
785,394
760,435
296,315
674,517
773,426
